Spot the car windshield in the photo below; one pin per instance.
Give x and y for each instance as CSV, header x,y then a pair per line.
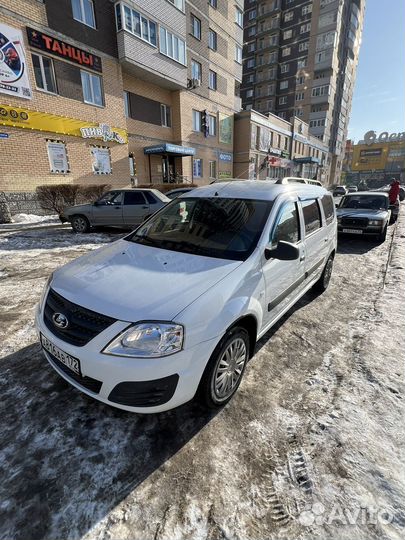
x,y
212,227
366,202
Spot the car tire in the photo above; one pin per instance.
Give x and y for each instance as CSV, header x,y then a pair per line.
x,y
80,224
323,282
224,371
381,237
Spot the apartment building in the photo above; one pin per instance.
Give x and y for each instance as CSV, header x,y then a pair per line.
x,y
300,59
141,91
269,147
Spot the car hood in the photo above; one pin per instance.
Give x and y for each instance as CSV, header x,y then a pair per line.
x,y
356,212
77,209
132,282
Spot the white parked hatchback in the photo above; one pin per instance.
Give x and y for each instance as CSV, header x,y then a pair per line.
x,y
173,310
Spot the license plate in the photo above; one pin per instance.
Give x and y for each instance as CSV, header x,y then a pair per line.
x,y
69,361
353,231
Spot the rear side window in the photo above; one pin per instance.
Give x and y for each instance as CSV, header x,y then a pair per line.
x,y
328,208
312,216
150,197
288,226
134,197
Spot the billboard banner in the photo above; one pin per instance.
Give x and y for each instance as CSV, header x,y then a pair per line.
x,y
13,67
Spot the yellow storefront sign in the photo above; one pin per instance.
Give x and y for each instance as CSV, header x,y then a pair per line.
x,y
377,156
20,117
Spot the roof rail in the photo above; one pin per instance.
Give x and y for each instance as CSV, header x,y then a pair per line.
x,y
298,180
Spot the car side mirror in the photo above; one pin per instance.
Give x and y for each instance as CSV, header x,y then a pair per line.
x,y
336,205
283,251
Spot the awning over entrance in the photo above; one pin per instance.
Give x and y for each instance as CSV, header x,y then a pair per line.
x,y
169,149
307,160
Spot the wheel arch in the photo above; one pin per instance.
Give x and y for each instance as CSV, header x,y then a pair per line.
x,y
249,323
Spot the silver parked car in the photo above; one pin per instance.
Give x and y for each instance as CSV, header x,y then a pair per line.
x,y
124,208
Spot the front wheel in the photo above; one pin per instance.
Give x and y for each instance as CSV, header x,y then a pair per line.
x,y
381,237
80,224
322,284
225,369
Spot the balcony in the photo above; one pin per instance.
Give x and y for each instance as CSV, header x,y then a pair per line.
x,y
140,42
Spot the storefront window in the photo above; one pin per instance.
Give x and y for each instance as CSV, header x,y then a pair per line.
x,y
197,168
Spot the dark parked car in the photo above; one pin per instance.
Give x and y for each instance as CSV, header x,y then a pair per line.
x,y
174,193
125,208
352,189
339,191
364,213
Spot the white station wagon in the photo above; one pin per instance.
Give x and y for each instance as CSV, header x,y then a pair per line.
x,y
173,310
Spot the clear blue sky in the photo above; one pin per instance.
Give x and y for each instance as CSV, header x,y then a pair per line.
x,y
379,94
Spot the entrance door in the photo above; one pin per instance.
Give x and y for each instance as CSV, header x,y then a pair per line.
x,y
284,279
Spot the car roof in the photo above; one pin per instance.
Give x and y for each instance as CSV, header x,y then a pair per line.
x,y
255,189
380,193
180,189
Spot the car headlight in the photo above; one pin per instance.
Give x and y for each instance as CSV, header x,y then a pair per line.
x,y
148,340
374,222
44,292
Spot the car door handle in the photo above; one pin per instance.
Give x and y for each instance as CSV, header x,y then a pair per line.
x,y
302,258
118,207
326,240
145,207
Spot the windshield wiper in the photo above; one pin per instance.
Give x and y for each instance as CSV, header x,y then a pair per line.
x,y
145,240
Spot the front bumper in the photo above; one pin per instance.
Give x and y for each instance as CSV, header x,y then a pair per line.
x,y
361,231
127,382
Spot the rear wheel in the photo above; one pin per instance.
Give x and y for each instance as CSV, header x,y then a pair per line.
x,y
322,284
225,369
80,224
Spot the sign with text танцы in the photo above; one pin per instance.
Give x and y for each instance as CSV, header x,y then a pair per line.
x,y
64,50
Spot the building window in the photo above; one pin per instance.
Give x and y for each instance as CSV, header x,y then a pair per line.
x,y
212,125
92,88
284,68
249,93
251,62
57,155
283,85
299,112
301,63
212,40
83,11
286,51
288,16
321,90
305,28
213,3
44,73
282,100
287,34
252,15
252,31
300,80
197,168
299,96
179,4
213,169
307,9
172,46
239,17
282,115
238,54
195,27
212,80
195,70
303,46
196,120
251,47
166,115
139,26
127,105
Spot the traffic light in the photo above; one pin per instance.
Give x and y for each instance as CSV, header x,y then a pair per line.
x,y
204,122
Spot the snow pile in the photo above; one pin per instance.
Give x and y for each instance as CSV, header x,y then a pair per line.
x,y
33,218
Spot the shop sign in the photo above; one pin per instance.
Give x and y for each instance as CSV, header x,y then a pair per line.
x,y
225,128
376,152
27,119
224,174
371,137
13,68
224,156
60,48
102,131
4,135
274,151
